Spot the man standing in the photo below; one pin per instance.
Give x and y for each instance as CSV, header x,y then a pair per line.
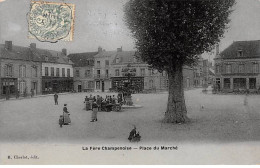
x,y
99,101
56,98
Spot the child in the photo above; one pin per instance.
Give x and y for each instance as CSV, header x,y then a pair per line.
x,y
61,120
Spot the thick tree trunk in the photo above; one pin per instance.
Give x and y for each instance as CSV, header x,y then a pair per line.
x,y
176,108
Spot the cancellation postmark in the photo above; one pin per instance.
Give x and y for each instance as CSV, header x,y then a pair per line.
x,y
51,22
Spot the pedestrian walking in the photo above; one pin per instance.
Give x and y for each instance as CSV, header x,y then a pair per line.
x,y
94,112
56,98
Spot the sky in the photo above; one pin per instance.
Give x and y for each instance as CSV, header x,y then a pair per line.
x,y
100,23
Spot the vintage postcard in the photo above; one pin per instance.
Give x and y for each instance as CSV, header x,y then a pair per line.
x,y
119,82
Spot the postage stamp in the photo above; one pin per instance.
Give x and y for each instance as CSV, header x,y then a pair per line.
x,y
51,21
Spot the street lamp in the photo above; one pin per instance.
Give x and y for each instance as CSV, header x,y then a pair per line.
x,y
129,73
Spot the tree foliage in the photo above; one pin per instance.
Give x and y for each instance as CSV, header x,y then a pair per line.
x,y
176,32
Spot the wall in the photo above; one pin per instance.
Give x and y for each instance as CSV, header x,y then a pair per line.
x,y
49,65
28,78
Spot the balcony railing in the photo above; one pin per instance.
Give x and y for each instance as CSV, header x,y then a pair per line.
x,y
97,76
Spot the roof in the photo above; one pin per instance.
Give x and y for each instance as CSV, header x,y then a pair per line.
x,y
250,49
126,57
83,59
105,54
28,54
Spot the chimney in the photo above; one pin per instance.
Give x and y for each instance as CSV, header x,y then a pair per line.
x,y
217,49
33,46
119,49
64,51
8,45
99,49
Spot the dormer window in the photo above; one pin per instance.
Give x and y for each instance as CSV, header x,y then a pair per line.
x,y
240,53
46,58
117,60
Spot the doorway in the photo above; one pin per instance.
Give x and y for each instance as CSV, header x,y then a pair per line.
x,y
103,86
79,88
34,88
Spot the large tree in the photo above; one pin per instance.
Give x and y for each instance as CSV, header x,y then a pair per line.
x,y
170,34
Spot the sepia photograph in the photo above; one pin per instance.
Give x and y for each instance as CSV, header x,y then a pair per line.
x,y
129,82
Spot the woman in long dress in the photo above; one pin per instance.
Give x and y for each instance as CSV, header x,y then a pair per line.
x,y
66,115
94,112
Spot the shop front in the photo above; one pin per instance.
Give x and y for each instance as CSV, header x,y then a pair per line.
x,y
8,87
56,85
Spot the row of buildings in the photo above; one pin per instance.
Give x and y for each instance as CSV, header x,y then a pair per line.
x,y
32,71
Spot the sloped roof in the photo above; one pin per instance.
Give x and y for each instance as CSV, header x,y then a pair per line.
x,y
105,54
82,59
28,54
250,49
126,57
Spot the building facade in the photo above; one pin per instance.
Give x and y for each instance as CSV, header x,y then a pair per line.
x,y
237,67
102,70
20,71
57,72
83,67
144,78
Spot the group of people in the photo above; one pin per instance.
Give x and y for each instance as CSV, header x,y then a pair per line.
x,y
94,103
103,104
100,104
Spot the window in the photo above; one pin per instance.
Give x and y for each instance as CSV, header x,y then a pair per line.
x,y
46,58
77,73
226,83
90,84
142,72
107,74
98,73
241,68
151,84
252,83
22,86
87,73
63,72
240,53
107,62
117,72
8,70
52,71
46,71
22,71
255,68
228,68
34,71
117,60
57,72
68,72
98,63
98,85
150,72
